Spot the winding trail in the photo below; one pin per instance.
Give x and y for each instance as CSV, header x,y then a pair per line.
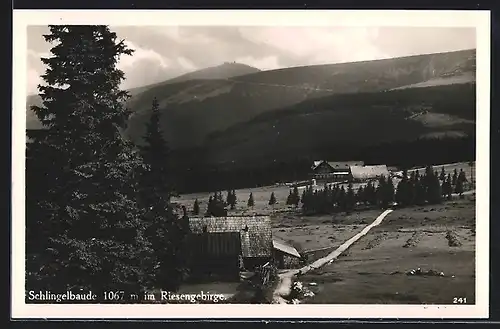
x,y
284,286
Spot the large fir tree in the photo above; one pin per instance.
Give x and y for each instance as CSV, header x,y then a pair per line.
x,y
85,228
166,232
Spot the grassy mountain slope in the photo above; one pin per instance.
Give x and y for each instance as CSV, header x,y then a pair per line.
x,y
192,110
358,120
224,71
196,111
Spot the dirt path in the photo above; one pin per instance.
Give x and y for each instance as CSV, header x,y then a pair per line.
x,y
284,285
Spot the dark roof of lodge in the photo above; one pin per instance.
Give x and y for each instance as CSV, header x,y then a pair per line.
x,y
255,231
337,165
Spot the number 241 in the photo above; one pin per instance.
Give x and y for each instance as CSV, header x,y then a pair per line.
x,y
459,300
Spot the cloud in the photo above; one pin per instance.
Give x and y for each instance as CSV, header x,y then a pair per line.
x,y
163,52
263,63
186,64
145,66
319,45
140,54
35,69
33,80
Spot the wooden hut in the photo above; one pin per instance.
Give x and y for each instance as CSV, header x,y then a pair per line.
x,y
285,255
222,245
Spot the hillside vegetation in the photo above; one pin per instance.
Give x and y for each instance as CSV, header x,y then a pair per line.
x,y
191,110
234,116
356,120
223,71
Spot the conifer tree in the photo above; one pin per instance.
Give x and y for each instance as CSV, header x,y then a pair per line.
x,y
360,196
342,199
413,177
442,176
459,188
434,194
428,170
296,196
411,192
250,202
272,199
350,198
158,179
196,207
427,177
448,191
443,188
454,177
220,199
403,197
210,206
157,188
389,191
84,219
370,194
218,207
461,176
289,198
234,200
381,192
420,193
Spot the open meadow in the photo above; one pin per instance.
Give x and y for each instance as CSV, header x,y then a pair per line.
x,y
437,242
262,195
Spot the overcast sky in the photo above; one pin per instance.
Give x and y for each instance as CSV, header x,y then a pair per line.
x,y
163,52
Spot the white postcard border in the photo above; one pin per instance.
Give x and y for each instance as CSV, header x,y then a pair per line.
x,y
478,19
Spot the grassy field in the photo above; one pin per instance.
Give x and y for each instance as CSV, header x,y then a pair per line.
x,y
438,238
375,270
261,195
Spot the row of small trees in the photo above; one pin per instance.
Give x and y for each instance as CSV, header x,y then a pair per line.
x,y
217,205
413,189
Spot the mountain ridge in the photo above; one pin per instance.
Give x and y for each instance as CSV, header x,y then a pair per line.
x,y
193,111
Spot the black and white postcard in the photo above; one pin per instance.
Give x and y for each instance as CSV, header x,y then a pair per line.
x,y
250,164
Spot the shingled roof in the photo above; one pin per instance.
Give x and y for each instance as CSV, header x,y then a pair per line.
x,y
255,231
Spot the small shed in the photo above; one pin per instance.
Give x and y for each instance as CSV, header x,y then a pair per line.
x,y
284,254
364,173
